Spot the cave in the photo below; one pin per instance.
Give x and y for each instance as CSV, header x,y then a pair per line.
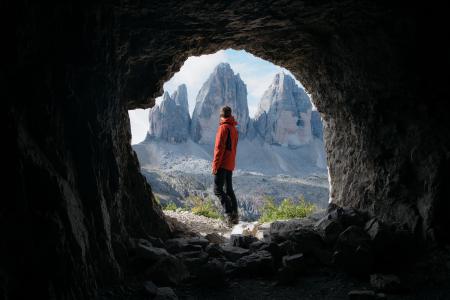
x,y
73,70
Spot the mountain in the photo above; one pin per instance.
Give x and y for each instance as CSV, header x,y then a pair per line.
x,y
170,120
280,152
284,114
222,88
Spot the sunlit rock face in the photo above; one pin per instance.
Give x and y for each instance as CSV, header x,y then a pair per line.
x,y
316,125
170,119
284,115
222,88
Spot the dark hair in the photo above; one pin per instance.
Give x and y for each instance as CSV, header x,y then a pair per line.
x,y
225,112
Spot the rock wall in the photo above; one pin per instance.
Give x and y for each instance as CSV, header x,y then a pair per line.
x,y
170,120
75,194
73,69
284,113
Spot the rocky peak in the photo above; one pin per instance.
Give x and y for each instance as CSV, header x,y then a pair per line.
x,y
180,97
284,114
170,119
223,87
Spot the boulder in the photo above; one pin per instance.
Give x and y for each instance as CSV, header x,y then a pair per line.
x,y
306,240
212,274
168,271
214,250
149,253
157,242
234,253
296,261
286,247
185,244
257,245
193,260
150,288
386,283
280,231
347,216
165,293
215,238
259,263
243,241
143,255
362,295
329,230
353,237
273,248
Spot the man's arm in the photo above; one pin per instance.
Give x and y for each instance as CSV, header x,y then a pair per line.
x,y
219,148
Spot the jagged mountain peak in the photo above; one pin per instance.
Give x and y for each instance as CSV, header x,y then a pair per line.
x,y
170,120
180,96
223,87
284,113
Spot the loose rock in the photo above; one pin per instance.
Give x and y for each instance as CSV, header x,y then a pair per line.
x,y
259,263
234,253
168,271
386,283
243,241
165,293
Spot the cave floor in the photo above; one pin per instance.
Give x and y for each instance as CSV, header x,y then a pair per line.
x,y
327,284
323,284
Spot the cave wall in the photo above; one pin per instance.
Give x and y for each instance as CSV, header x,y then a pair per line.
x,y
77,194
74,69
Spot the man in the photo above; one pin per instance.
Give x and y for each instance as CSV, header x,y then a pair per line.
x,y
224,162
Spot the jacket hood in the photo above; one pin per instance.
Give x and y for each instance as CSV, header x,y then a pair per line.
x,y
230,120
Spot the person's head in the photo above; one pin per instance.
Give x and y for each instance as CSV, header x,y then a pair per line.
x,y
225,112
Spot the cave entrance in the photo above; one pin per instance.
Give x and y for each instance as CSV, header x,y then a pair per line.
x,y
281,151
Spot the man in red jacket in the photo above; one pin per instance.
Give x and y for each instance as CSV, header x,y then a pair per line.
x,y
224,162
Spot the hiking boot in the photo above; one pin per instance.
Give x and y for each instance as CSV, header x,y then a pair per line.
x,y
235,218
229,220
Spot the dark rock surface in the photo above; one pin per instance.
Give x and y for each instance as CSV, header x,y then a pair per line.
x,y
259,263
386,283
243,241
73,69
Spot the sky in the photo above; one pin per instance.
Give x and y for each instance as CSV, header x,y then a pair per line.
x,y
256,73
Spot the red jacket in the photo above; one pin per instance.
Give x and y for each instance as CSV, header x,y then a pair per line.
x,y
226,144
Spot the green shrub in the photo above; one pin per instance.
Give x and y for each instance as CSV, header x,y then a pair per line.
x,y
288,209
203,207
170,206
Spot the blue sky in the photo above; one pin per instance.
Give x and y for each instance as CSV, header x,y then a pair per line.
x,y
256,73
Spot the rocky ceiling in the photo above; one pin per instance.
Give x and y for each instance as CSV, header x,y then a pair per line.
x,y
74,69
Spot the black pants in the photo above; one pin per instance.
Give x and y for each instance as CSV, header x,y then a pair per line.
x,y
227,198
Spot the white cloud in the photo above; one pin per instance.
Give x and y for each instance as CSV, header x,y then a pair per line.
x,y
139,125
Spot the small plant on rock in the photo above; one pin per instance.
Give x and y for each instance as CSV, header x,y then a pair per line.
x,y
203,207
288,209
170,206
